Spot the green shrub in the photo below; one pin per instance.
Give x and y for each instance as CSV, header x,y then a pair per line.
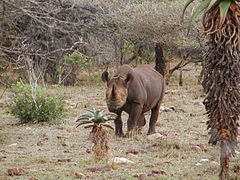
x,y
77,59
35,105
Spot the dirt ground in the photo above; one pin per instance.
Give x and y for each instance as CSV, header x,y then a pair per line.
x,y
61,151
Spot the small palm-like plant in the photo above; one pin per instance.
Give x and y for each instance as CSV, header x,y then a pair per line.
x,y
96,120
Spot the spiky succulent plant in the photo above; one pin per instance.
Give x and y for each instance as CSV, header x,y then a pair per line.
x,y
96,118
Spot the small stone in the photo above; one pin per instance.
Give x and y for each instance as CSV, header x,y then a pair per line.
x,y
204,160
196,148
154,136
119,160
142,176
172,108
159,172
1,104
180,117
198,164
64,159
79,175
64,144
14,144
39,143
165,109
132,151
99,169
215,163
15,171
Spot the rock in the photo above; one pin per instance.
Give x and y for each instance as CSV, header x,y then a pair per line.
x,y
198,164
172,108
99,169
64,144
131,154
79,175
196,148
215,163
132,151
64,159
180,117
159,172
155,136
14,144
204,160
142,176
166,109
1,105
15,171
39,143
119,160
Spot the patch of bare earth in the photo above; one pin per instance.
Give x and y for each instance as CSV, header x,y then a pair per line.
x,y
61,151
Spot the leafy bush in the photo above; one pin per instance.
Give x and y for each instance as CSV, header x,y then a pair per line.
x,y
35,105
77,59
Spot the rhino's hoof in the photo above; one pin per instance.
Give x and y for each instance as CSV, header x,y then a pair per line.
x,y
151,132
130,134
120,135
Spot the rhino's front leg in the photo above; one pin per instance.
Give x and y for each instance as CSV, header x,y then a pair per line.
x,y
141,123
118,125
134,115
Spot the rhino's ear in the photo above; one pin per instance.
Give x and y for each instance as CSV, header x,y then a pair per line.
x,y
128,79
105,77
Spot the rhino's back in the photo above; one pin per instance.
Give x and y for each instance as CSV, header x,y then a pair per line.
x,y
151,86
148,74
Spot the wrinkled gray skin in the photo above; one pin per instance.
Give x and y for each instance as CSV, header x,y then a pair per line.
x,y
134,91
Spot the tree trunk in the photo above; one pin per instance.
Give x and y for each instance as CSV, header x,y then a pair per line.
x,y
180,76
121,52
224,161
167,76
160,60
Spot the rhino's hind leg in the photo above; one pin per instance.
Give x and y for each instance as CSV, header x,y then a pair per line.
x,y
153,119
141,123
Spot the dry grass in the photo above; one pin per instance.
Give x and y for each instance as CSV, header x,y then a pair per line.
x,y
60,151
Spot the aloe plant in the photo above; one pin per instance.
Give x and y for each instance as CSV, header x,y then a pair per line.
x,y
222,74
96,120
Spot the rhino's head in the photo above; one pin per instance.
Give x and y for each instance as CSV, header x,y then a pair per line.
x,y
117,90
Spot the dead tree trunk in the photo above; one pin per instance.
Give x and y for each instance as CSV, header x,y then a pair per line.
x,y
224,161
180,75
121,52
160,65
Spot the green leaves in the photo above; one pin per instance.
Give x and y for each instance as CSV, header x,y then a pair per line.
x,y
197,11
96,118
205,6
224,6
212,2
185,7
35,105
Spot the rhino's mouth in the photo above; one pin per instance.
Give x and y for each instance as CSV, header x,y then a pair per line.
x,y
115,106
